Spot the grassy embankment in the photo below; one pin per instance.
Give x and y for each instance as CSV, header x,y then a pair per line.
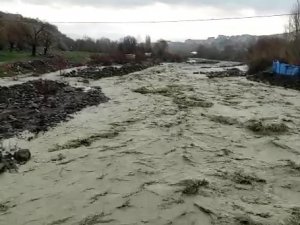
x,y
8,57
73,57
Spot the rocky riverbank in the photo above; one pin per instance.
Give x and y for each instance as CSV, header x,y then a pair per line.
x,y
9,160
233,72
97,73
35,67
37,105
292,82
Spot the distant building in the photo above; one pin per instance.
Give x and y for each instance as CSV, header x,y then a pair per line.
x,y
130,56
148,54
191,61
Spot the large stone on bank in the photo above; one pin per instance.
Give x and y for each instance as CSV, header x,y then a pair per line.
x,y
22,155
2,168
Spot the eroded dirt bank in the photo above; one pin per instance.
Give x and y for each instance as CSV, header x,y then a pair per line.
x,y
97,73
37,105
292,82
171,147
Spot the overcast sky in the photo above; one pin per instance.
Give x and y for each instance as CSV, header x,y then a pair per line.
x,y
144,10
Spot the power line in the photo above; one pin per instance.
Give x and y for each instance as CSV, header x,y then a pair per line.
x,y
161,21
176,21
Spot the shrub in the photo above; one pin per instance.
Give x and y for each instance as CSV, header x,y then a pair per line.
x,y
173,57
264,51
104,60
258,65
140,57
119,58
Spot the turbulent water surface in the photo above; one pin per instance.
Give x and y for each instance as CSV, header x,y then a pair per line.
x,y
170,147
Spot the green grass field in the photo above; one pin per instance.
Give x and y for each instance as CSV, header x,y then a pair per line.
x,y
75,56
72,56
7,57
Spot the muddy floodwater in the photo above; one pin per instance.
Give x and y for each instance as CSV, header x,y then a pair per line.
x,y
170,147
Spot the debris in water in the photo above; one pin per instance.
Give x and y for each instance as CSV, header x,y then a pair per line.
x,y
9,160
223,120
95,219
97,73
168,91
84,141
234,72
186,102
261,127
59,157
179,98
126,204
246,220
293,165
240,177
192,186
294,219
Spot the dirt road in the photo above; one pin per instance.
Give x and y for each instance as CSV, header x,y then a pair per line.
x,y
170,147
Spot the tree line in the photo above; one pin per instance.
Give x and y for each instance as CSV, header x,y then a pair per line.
x,y
26,33
20,34
230,52
260,54
285,48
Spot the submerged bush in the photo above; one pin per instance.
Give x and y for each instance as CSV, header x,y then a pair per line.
x,y
264,128
258,65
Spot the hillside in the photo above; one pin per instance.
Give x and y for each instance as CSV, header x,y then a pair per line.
x,y
221,47
17,32
21,33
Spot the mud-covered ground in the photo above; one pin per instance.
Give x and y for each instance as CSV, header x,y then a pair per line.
x,y
35,67
292,82
97,73
37,105
171,147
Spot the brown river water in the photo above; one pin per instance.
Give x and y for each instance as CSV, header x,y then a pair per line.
x,y
159,159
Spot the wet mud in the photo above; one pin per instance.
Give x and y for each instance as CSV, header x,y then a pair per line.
x,y
97,73
292,82
35,106
233,72
35,67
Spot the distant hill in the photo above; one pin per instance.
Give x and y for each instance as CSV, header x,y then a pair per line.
x,y
15,29
220,43
61,40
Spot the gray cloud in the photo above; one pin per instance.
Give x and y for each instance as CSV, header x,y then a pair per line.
x,y
278,5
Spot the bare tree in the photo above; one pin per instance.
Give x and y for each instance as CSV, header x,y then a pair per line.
x,y
33,34
148,45
2,35
48,37
293,27
2,26
103,45
128,45
293,34
13,34
161,48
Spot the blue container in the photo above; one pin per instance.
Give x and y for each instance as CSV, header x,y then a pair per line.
x,y
285,69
